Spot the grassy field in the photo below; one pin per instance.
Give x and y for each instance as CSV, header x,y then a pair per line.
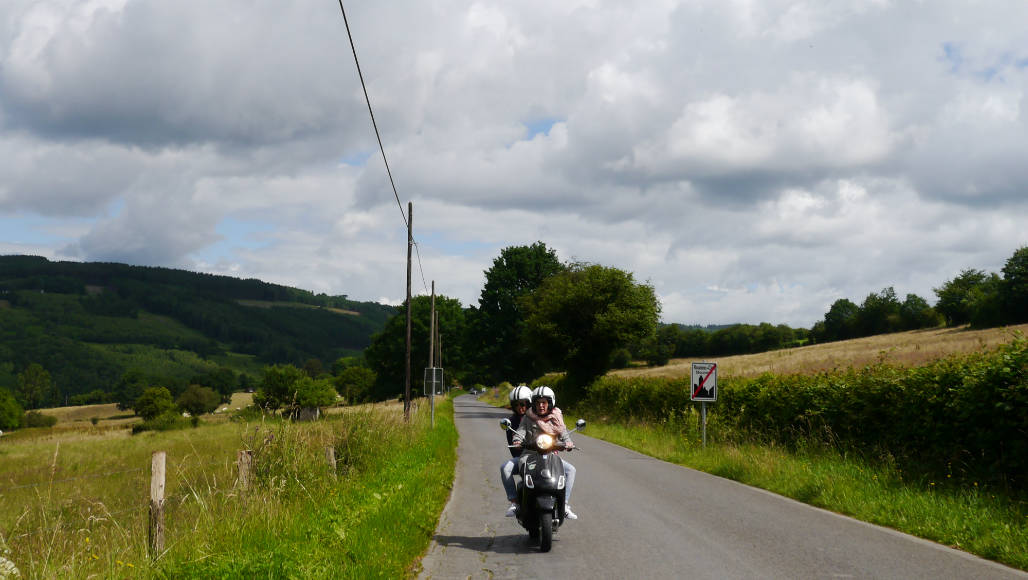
x,y
73,499
909,349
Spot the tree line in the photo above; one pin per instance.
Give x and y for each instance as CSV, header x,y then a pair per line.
x,y
972,297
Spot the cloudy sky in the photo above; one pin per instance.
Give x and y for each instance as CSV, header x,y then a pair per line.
x,y
754,160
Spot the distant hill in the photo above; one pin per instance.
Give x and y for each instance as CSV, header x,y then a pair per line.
x,y
87,323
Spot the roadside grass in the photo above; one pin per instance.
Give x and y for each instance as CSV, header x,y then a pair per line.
x,y
984,522
77,507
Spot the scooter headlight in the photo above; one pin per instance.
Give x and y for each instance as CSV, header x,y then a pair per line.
x,y
544,442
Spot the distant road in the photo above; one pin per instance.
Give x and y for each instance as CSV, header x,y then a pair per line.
x,y
643,518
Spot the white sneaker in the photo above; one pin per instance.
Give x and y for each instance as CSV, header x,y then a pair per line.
x,y
568,514
510,511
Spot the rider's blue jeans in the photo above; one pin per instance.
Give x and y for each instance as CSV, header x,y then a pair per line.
x,y
507,478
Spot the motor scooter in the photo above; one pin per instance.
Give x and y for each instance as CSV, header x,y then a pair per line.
x,y
541,492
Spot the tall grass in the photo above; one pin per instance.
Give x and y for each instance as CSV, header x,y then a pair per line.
x,y
372,517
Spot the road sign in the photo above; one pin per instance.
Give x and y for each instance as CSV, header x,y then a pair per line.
x,y
433,381
704,382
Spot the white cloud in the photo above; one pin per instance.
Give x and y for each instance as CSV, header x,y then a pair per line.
x,y
754,161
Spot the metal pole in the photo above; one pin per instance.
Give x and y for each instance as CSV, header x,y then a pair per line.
x,y
406,376
703,415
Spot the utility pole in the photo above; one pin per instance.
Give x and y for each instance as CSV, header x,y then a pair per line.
x,y
406,376
431,354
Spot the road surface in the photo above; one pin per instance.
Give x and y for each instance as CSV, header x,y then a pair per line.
x,y
644,518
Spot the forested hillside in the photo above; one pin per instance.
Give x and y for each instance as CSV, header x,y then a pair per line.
x,y
88,324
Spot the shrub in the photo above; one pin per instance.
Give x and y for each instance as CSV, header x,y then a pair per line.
x,y
153,402
167,421
10,411
37,419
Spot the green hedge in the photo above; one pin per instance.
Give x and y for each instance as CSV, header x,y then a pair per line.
x,y
965,416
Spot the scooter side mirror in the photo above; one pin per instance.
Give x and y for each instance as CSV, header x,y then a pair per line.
x,y
580,424
504,423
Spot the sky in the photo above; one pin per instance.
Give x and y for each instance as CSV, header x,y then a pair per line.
x,y
753,160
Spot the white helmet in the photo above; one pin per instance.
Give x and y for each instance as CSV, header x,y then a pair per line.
x,y
520,393
544,392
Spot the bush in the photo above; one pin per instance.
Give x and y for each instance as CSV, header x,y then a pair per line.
x,y
315,392
355,383
11,413
167,421
153,402
37,419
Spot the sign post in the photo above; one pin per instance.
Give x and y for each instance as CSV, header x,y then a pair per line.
x,y
433,386
704,389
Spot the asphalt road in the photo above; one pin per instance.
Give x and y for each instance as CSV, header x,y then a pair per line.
x,y
644,518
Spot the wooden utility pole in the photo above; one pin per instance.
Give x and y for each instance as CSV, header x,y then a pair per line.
x,y
406,376
431,355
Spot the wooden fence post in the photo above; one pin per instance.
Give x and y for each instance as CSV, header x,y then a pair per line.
x,y
330,455
245,462
158,466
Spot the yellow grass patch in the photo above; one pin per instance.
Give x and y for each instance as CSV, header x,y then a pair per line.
x,y
909,349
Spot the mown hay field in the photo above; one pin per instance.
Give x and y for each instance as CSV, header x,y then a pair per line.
x,y
908,349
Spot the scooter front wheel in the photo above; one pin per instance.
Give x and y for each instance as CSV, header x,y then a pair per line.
x,y
545,532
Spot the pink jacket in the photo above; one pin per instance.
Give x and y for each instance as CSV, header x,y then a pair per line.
x,y
552,423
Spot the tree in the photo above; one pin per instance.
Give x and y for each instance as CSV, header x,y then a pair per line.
x,y
658,348
499,325
578,318
10,411
224,382
386,354
277,388
879,314
955,296
198,400
841,320
34,386
315,392
129,388
154,401
985,303
1015,286
915,313
355,383
692,342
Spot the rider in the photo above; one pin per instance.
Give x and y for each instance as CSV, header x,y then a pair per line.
x,y
546,416
520,398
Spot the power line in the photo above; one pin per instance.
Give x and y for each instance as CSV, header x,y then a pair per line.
x,y
367,99
353,47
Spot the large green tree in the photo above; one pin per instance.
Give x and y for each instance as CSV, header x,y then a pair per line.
x,y
198,400
879,314
841,320
386,355
35,388
154,402
577,319
1015,286
278,387
957,296
498,329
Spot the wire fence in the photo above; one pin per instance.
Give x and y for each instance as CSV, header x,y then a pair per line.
x,y
57,505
